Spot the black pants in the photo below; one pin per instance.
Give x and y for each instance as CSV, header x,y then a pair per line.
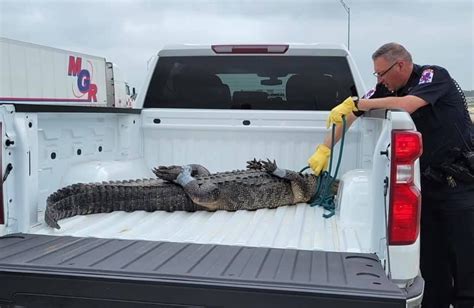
x,y
447,249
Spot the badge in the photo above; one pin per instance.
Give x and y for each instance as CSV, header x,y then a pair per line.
x,y
369,94
426,76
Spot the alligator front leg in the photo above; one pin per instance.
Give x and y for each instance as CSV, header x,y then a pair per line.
x,y
169,173
205,194
302,192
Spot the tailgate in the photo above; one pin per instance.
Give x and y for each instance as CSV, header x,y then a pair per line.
x,y
45,271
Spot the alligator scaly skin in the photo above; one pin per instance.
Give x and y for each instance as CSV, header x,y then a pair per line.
x,y
132,195
249,189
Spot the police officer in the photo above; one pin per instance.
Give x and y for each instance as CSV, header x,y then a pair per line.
x,y
439,111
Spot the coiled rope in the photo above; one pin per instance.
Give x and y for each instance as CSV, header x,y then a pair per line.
x,y
324,195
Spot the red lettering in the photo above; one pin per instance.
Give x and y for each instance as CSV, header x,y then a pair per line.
x,y
92,94
75,65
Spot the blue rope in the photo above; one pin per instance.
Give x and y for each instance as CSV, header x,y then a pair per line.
x,y
324,196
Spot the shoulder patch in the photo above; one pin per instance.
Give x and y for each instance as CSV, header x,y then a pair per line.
x,y
426,76
369,94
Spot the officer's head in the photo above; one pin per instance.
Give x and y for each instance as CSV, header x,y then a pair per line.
x,y
392,65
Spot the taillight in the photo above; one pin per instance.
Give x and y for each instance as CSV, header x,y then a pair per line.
x,y
2,215
405,198
406,146
249,49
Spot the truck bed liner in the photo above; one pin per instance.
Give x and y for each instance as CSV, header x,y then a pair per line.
x,y
295,227
40,270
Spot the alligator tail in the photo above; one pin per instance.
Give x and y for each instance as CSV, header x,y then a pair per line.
x,y
133,195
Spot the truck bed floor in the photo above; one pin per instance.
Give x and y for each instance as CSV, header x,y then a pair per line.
x,y
297,227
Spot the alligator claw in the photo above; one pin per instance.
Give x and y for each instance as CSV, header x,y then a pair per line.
x,y
254,164
269,166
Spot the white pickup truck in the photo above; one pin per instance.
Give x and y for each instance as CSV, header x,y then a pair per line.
x,y
217,106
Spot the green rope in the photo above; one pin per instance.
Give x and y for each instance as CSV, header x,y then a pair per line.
x,y
324,196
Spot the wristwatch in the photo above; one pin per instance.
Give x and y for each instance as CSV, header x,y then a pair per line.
x,y
355,99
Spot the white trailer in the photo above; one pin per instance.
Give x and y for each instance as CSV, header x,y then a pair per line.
x,y
37,74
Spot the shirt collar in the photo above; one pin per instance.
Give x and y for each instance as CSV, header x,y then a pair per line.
x,y
415,74
416,70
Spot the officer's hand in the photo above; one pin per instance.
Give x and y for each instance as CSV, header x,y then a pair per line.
x,y
343,109
319,160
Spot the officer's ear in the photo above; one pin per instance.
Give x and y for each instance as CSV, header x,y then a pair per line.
x,y
402,65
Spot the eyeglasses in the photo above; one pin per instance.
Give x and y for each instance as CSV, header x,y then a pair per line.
x,y
378,75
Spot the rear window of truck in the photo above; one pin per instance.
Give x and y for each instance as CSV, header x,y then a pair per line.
x,y
250,82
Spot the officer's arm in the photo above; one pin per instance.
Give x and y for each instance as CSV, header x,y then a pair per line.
x,y
338,133
409,103
319,160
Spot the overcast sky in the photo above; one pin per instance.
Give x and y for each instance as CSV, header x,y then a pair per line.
x,y
129,32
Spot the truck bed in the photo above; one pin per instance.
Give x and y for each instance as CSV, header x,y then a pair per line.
x,y
295,227
41,270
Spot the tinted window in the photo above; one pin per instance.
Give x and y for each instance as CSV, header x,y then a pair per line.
x,y
250,82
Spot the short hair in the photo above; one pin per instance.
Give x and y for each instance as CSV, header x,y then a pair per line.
x,y
392,52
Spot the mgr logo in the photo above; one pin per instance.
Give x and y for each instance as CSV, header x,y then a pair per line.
x,y
84,79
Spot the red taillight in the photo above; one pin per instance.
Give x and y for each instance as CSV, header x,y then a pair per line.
x,y
404,214
405,198
406,145
249,49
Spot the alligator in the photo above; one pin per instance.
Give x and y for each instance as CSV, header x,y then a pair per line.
x,y
186,188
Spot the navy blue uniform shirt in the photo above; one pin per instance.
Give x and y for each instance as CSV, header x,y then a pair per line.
x,y
444,123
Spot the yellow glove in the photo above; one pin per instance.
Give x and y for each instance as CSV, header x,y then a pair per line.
x,y
344,108
319,160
